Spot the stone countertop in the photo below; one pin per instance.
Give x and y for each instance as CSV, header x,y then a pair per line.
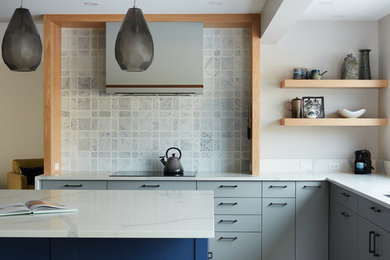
x,y
114,214
370,186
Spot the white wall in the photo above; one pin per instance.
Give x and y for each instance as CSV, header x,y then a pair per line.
x,y
21,114
384,94
317,45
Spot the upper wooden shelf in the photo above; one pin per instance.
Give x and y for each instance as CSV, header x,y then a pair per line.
x,y
333,83
333,122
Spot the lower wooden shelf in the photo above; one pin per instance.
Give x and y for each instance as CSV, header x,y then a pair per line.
x,y
333,122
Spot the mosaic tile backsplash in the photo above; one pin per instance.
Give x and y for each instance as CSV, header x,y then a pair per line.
x,y
115,133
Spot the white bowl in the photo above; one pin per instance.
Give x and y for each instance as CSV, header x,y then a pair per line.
x,y
351,114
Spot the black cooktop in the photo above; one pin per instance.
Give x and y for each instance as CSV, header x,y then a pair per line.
x,y
149,174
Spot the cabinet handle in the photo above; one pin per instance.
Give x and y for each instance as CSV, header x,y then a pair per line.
x,y
345,194
228,186
227,204
73,185
150,186
375,209
228,238
227,221
277,204
312,187
278,186
371,251
375,253
345,214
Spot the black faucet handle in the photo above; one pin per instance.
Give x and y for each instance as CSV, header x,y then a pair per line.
x,y
162,157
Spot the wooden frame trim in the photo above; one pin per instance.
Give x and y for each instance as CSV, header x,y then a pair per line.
x,y
52,70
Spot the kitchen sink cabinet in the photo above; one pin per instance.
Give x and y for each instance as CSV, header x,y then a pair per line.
x,y
312,218
373,242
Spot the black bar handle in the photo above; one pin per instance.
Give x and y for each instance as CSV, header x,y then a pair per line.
x,y
228,203
227,221
375,209
150,186
345,214
278,186
73,185
375,253
228,186
312,186
228,238
345,194
370,234
277,204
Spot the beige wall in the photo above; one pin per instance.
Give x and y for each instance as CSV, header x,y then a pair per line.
x,y
21,115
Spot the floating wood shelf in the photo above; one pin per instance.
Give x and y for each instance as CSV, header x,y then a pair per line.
x,y
333,83
333,122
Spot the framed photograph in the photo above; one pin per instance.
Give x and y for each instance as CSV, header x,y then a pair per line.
x,y
313,107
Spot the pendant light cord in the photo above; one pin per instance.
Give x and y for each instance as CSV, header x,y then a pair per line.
x,y
134,3
21,3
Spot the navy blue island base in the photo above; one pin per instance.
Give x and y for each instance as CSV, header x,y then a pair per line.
x,y
103,248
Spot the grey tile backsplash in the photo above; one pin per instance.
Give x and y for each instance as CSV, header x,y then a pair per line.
x,y
114,133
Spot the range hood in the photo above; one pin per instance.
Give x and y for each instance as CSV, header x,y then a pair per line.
x,y
177,67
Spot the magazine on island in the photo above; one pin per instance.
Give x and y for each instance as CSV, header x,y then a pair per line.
x,y
34,207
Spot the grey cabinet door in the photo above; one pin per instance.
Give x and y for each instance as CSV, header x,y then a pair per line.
x,y
312,214
373,242
343,233
278,229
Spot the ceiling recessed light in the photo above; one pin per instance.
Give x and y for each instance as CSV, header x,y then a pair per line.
x,y
91,3
216,3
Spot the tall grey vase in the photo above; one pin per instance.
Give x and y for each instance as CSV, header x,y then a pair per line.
x,y
364,68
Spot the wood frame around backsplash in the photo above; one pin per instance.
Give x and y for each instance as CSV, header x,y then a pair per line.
x,y
52,71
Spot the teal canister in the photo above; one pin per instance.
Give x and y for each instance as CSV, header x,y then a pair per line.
x,y
350,68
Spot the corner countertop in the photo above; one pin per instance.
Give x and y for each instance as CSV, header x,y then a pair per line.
x,y
114,214
370,186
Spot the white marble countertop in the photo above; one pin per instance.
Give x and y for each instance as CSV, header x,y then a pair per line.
x,y
370,186
114,214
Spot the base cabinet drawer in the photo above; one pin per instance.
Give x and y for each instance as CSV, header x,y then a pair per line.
x,y
344,197
279,189
373,242
375,213
237,205
74,185
240,223
232,188
235,246
152,185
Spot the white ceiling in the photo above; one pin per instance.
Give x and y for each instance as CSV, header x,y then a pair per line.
x,y
39,7
348,10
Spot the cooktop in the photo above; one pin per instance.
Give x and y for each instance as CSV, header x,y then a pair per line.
x,y
149,174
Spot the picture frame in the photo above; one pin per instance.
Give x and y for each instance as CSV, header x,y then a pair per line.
x,y
313,107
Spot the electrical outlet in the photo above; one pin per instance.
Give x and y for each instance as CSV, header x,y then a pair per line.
x,y
306,166
56,166
334,166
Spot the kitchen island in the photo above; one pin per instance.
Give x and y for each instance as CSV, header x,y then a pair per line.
x,y
110,225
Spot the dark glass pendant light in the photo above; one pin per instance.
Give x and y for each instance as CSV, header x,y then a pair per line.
x,y
22,46
134,50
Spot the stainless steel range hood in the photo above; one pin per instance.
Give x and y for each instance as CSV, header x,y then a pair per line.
x,y
177,68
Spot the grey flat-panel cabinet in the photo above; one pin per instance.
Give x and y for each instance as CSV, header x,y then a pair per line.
x,y
278,229
312,218
373,242
343,233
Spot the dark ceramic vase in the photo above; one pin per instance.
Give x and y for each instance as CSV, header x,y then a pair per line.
x,y
364,68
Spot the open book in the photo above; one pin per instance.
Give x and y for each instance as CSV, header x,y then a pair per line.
x,y
34,207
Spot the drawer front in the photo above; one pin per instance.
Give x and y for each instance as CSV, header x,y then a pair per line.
x,y
279,189
152,185
240,223
374,212
232,189
237,205
234,246
344,197
74,185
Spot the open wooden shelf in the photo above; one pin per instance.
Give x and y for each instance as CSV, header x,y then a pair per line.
x,y
333,122
333,83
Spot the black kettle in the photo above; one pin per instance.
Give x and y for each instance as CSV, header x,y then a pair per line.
x,y
172,167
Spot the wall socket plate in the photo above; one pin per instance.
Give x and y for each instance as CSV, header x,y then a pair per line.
x,y
56,166
334,166
306,165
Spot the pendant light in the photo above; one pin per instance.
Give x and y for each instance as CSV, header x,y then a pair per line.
x,y
134,50
22,46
